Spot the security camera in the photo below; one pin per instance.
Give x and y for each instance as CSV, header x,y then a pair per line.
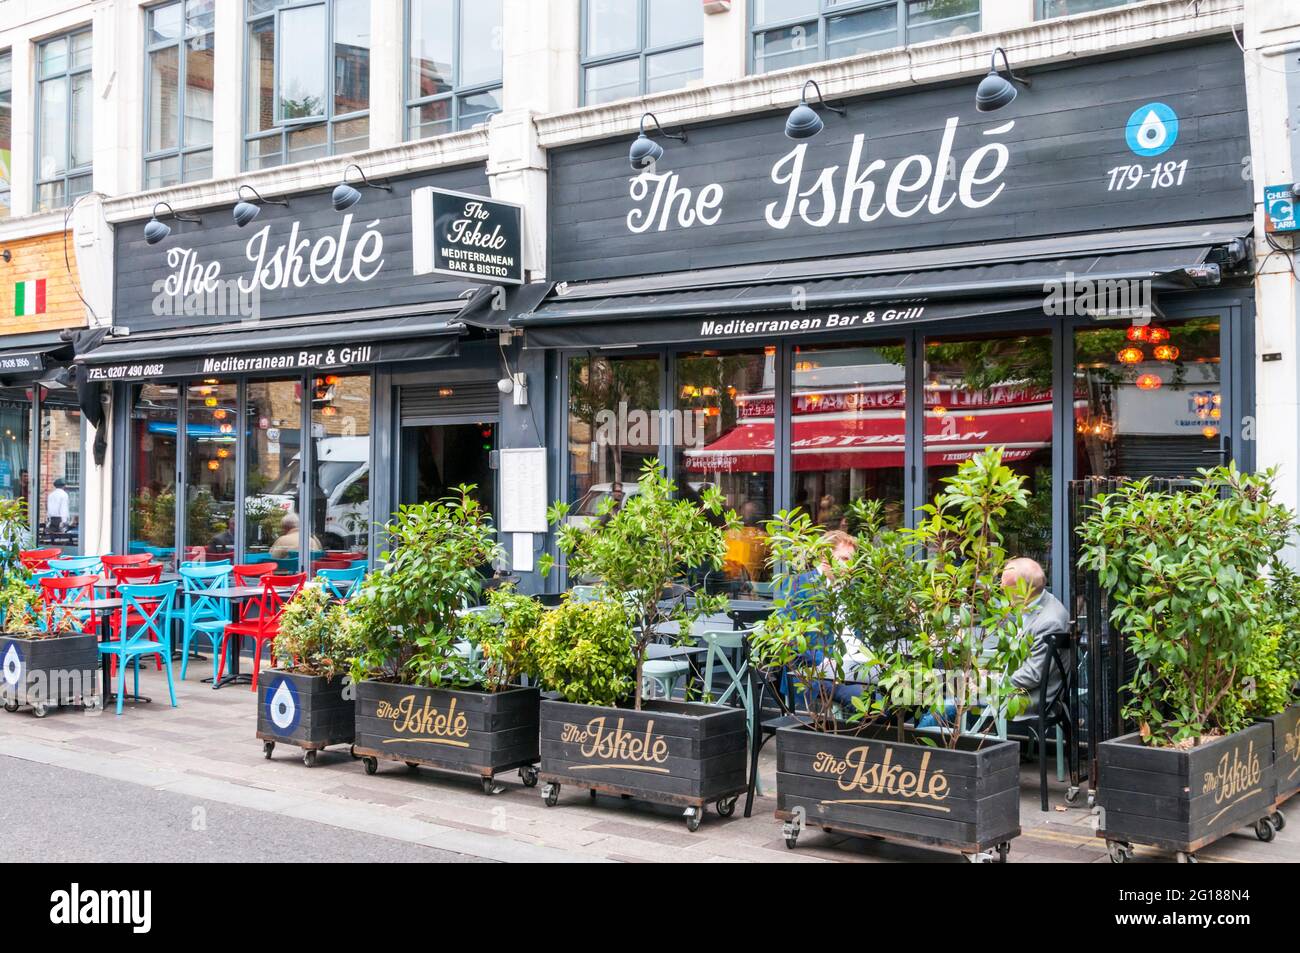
x,y
506,385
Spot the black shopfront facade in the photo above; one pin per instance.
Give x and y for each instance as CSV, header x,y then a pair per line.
x,y
288,384
807,323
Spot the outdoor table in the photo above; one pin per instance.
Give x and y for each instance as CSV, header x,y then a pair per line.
x,y
103,610
236,594
102,583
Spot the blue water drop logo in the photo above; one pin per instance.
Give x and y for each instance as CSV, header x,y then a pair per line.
x,y
12,666
282,705
1152,130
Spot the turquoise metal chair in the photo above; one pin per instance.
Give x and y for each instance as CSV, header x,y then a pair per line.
x,y
36,577
193,563
721,646
201,614
77,566
151,609
342,584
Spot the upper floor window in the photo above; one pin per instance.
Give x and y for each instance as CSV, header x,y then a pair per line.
x,y
1045,9
795,32
308,80
6,131
178,95
453,75
634,47
64,120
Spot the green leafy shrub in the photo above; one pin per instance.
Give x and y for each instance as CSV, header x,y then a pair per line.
x,y
318,635
585,651
406,614
505,634
15,531
1190,590
640,548
20,604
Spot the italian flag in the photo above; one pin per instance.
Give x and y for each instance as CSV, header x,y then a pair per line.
x,y
29,297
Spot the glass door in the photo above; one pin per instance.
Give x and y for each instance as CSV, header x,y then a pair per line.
x,y
438,457
154,460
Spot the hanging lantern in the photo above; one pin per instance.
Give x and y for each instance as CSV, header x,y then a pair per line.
x,y
1149,382
329,410
1130,355
214,464
1137,332
209,402
1166,352
1209,433
1157,335
223,453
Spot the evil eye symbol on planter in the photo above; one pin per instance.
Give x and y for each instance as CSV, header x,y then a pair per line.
x,y
11,666
1152,129
282,705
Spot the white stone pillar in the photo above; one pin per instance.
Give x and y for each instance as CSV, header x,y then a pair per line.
x,y
22,158
726,43
999,15
228,90
387,62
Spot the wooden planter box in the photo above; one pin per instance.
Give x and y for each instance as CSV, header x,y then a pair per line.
x,y
48,673
1286,752
307,711
1183,799
873,785
481,733
675,753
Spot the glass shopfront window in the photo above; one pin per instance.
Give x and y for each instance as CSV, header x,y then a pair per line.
x,y
153,459
994,390
16,445
724,437
273,481
1148,400
212,412
340,432
848,413
614,427
59,502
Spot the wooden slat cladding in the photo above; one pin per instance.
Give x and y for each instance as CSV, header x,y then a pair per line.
x,y
33,259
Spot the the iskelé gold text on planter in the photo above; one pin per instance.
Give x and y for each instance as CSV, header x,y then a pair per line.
x,y
884,781
439,727
636,751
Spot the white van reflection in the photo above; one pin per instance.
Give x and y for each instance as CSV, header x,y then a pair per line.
x,y
342,479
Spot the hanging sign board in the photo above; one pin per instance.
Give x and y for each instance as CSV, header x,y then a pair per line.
x,y
466,236
523,491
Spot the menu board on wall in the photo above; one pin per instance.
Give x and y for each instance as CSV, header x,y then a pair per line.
x,y
522,505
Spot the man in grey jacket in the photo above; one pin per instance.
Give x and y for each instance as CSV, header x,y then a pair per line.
x,y
1044,619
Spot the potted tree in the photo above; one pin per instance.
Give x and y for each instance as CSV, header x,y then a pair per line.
x,y
44,666
601,734
422,696
1281,705
930,636
307,699
1189,589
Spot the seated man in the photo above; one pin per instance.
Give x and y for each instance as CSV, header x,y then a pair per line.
x,y
1044,618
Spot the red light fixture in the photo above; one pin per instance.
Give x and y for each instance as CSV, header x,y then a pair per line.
x,y
1166,352
1130,355
1149,382
1137,332
1157,335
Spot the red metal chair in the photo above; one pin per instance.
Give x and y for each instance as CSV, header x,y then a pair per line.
x,y
38,559
250,574
117,562
63,596
260,619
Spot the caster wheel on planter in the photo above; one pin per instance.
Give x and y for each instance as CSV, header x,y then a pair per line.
x,y
490,786
1119,851
1092,800
1072,794
1003,850
791,833
550,794
11,707
693,817
1184,857
267,748
372,765
352,752
40,709
1279,821
529,776
726,806
593,794
1265,830
309,758
413,765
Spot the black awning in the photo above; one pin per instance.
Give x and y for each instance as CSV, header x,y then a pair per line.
x,y
35,355
907,287
318,344
491,306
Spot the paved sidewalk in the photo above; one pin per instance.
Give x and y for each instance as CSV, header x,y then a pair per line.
x,y
205,750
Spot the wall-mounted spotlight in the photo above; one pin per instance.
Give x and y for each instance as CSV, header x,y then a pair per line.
x,y
345,196
645,152
803,121
997,89
155,230
246,211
